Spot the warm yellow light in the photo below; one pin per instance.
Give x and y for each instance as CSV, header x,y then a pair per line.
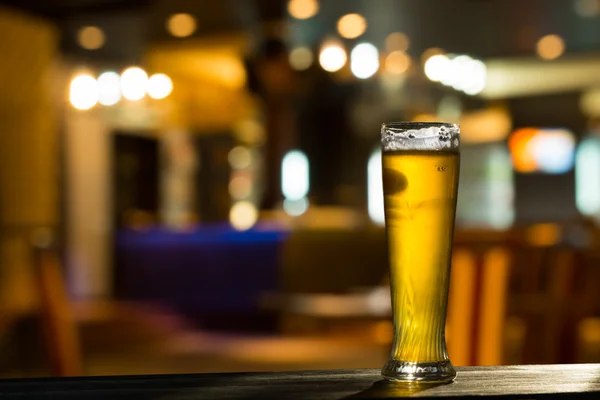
x,y
83,92
159,86
364,60
543,235
351,26
243,215
485,126
397,62
332,57
550,47
240,187
397,41
91,37
303,9
134,82
301,58
430,52
181,25
109,88
437,68
239,157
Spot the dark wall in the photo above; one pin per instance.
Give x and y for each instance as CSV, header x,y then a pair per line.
x,y
135,176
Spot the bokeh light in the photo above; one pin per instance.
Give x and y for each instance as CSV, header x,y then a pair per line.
x,y
239,157
91,37
589,102
550,47
109,88
587,176
521,154
243,215
551,151
240,187
457,72
587,8
437,67
301,58
460,72
303,9
397,41
159,86
397,62
295,175
364,60
554,150
466,74
295,208
430,52
181,25
332,57
83,92
351,26
134,82
475,78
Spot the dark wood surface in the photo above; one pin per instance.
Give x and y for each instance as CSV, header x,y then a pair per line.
x,y
516,382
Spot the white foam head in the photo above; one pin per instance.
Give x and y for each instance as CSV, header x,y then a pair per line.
x,y
432,136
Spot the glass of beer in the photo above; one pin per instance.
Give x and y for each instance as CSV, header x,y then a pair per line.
x,y
420,181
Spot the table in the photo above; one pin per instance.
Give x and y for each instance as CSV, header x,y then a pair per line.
x,y
576,381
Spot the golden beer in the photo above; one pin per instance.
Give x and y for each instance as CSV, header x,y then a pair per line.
x,y
420,187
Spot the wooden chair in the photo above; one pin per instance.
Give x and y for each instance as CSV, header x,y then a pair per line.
x,y
481,265
478,293
60,330
121,330
553,288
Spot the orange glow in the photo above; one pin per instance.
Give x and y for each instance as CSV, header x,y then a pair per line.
x,y
352,26
589,330
543,235
518,144
91,37
397,41
181,25
303,9
485,126
548,150
550,47
383,332
397,62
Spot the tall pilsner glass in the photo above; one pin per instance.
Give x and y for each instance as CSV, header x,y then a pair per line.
x,y
420,180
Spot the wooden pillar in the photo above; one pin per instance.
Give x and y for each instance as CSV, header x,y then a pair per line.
x,y
29,179
88,197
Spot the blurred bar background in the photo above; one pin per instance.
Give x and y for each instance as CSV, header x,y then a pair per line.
x,y
195,186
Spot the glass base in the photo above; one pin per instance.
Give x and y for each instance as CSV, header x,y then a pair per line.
x,y
441,371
